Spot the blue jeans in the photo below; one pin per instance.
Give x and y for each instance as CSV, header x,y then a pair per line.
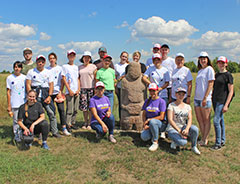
x,y
155,126
110,95
198,103
179,140
110,123
218,121
16,128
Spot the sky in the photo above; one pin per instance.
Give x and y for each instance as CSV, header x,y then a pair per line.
x,y
187,26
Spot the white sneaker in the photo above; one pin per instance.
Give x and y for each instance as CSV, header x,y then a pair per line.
x,y
111,139
173,145
195,150
65,132
163,135
153,147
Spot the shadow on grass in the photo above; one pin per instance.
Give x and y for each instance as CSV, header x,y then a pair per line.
x,y
90,136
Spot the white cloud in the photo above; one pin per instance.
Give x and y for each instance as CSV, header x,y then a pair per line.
x,y
124,24
157,29
93,14
44,36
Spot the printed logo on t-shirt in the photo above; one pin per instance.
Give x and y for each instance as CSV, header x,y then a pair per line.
x,y
69,78
102,106
152,109
18,87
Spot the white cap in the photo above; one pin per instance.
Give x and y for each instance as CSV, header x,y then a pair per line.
x,y
223,59
180,55
153,86
180,89
157,45
40,56
203,54
87,53
156,55
71,51
99,84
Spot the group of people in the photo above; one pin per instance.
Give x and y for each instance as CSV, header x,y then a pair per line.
x,y
90,88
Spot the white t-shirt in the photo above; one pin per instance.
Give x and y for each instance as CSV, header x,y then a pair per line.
x,y
180,78
203,76
169,63
149,62
158,76
56,73
180,115
120,71
17,86
71,74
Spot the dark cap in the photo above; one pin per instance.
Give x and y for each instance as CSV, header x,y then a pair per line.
x,y
165,46
102,49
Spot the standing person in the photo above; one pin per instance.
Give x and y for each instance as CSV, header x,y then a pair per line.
x,y
57,96
102,51
159,75
153,117
41,80
87,73
31,119
155,50
136,58
107,76
120,74
203,95
16,96
181,77
28,62
168,63
102,118
71,80
222,96
180,122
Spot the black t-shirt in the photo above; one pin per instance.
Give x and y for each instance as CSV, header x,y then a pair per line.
x,y
220,87
34,112
143,68
99,64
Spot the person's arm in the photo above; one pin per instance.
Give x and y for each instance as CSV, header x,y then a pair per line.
x,y
48,99
95,75
95,115
9,108
189,91
209,88
146,80
28,85
79,88
67,86
26,131
163,86
160,117
170,120
189,124
229,97
41,118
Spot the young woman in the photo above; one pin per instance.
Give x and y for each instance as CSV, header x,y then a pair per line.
x,y
153,117
120,74
31,119
180,122
181,77
71,80
222,95
203,95
136,58
102,118
87,73
16,96
57,96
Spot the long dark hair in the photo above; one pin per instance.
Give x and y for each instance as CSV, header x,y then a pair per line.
x,y
208,63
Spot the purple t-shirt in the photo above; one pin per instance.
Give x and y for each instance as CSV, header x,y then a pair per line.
x,y
154,107
101,104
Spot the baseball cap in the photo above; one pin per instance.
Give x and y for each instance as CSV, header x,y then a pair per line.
x,y
180,55
27,49
71,51
203,54
107,56
40,56
223,59
165,46
157,45
156,55
180,89
103,49
153,86
99,84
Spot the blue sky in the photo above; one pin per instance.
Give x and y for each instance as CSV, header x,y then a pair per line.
x,y
187,26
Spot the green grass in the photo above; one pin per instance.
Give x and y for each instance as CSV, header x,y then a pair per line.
x,y
81,159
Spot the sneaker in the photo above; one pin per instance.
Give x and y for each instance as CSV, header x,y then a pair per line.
x,y
45,146
65,132
215,147
111,139
163,135
57,135
195,150
153,147
173,145
222,144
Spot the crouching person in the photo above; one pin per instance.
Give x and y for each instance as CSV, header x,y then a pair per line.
x,y
31,119
180,122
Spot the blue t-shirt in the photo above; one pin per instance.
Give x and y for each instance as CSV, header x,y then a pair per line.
x,y
154,107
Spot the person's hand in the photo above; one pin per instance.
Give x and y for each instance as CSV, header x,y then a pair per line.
x,y
105,128
188,100
32,128
185,132
71,93
108,114
26,132
146,127
77,93
145,124
48,100
59,95
225,109
10,113
204,102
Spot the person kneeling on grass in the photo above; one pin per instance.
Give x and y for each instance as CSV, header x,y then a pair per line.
x,y
31,119
153,117
180,122
102,119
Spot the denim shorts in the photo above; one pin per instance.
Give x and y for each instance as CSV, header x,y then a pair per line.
x,y
198,103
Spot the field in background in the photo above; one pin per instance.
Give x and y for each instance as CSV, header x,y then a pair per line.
x,y
80,159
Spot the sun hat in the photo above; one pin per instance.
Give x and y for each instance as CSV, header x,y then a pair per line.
x,y
86,53
153,86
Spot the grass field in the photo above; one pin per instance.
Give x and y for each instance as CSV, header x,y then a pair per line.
x,y
80,159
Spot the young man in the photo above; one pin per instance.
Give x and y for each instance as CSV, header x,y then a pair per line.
x,y
41,80
16,96
28,62
156,50
102,51
71,80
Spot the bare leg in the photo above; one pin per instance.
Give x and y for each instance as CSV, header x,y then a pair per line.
x,y
206,112
199,117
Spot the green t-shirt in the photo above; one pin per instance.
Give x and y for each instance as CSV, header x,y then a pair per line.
x,y
27,67
107,76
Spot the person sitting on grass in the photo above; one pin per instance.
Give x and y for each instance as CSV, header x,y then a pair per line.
x,y
31,119
153,117
180,122
102,119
